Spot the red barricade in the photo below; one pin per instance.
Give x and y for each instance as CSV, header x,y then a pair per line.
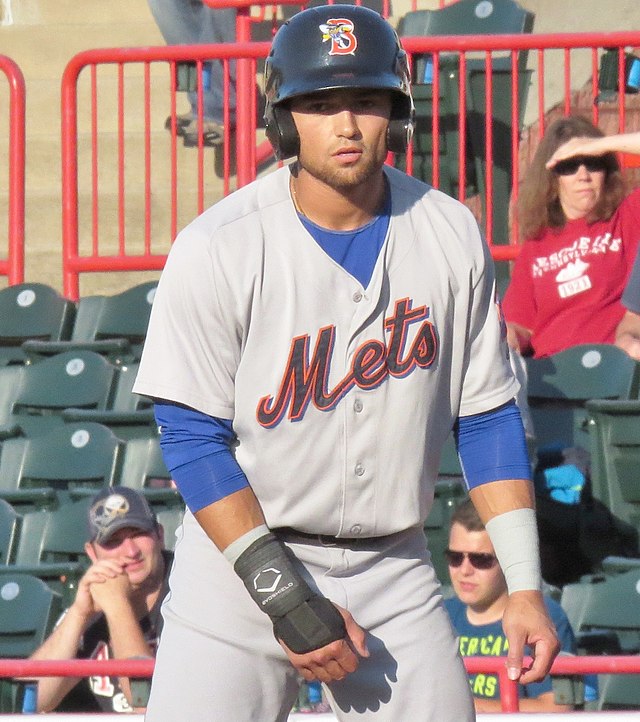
x,y
12,265
140,668
129,185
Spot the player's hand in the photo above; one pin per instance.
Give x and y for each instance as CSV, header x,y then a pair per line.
x,y
334,661
527,623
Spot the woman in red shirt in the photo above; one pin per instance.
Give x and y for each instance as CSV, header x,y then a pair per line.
x,y
581,237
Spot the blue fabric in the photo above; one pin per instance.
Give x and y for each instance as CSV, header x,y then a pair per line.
x,y
197,451
489,640
492,446
356,251
564,483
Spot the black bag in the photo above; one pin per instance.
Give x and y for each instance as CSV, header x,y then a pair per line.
x,y
575,538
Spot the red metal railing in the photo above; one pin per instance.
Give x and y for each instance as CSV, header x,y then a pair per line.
x,y
139,668
12,266
101,139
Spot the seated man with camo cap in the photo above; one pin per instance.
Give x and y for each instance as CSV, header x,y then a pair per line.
x,y
116,612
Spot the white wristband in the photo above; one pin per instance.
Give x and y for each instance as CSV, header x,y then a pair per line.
x,y
514,536
242,543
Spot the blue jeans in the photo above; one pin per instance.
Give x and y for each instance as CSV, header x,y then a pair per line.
x,y
191,22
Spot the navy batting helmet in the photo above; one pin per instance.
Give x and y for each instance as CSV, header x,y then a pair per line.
x,y
329,47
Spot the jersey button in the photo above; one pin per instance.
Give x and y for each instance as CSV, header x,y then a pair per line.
x,y
358,406
357,297
356,529
359,470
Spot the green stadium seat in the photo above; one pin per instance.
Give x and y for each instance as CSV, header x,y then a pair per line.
x,y
170,515
606,602
9,383
449,492
28,610
128,414
605,614
51,547
70,460
449,461
560,385
81,379
618,692
12,456
9,531
32,311
114,326
615,456
73,455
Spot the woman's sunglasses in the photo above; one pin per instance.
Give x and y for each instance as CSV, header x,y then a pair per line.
x,y
592,163
478,560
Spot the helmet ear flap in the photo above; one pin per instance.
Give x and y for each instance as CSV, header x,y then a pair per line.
x,y
282,133
399,134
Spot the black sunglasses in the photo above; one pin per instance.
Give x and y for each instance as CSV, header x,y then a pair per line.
x,y
593,163
479,560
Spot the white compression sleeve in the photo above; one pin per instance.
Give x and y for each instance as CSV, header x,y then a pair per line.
x,y
514,536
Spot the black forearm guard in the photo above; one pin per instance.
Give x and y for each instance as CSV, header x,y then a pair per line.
x,y
302,619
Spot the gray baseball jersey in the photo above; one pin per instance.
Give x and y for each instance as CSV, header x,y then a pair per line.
x,y
341,396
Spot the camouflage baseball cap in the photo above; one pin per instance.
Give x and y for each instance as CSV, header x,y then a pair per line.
x,y
117,507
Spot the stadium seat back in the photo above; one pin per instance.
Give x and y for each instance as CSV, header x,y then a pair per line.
x,y
449,461
124,399
81,379
121,316
113,326
72,455
560,385
615,456
618,691
32,311
468,17
606,602
170,516
449,492
143,465
28,610
12,459
51,546
9,532
10,377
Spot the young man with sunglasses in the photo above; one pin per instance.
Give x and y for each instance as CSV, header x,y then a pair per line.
x,y
477,609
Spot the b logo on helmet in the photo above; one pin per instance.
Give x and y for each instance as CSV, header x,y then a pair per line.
x,y
339,32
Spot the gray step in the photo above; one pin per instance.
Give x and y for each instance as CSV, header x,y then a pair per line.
x,y
55,12
43,51
44,164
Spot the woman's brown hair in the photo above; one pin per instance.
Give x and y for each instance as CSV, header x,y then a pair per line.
x,y
538,200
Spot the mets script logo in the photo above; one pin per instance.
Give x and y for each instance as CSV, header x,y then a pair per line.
x,y
339,32
304,380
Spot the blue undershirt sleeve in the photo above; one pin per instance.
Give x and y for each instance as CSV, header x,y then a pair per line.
x,y
492,446
197,451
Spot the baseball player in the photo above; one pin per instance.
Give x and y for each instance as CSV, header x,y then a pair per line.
x,y
314,339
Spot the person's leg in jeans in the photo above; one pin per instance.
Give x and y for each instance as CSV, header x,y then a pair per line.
x,y
191,22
